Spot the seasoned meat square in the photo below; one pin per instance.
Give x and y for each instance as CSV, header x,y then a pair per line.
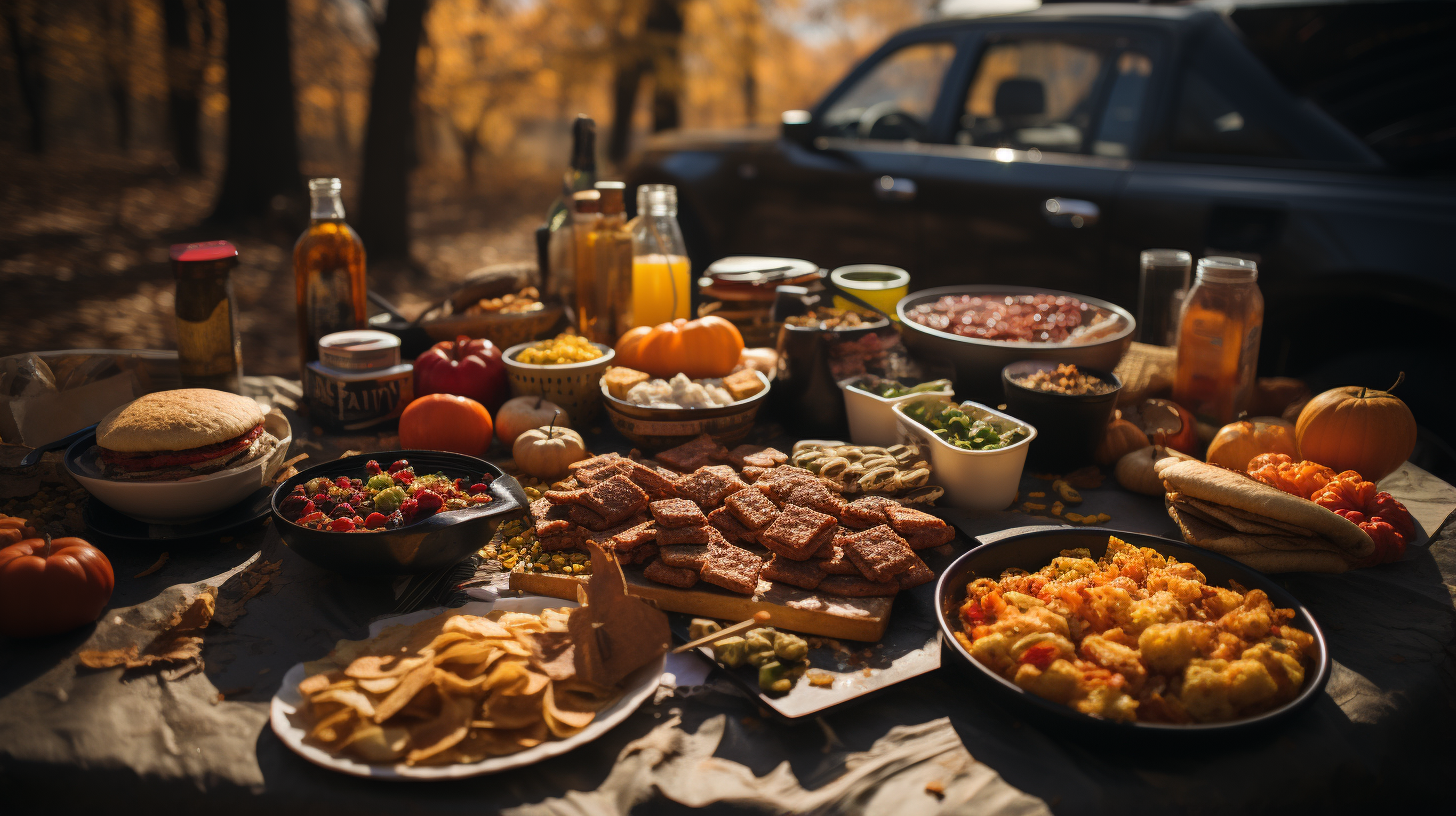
x,y
683,535
597,475
550,519
643,533
676,513
577,496
656,485
731,528
586,517
752,508
879,553
839,564
639,555
751,474
733,569
615,499
929,538
672,576
692,455
575,538
815,495
867,511
802,574
575,468
919,573
757,456
856,587
710,485
908,521
831,542
797,532
774,483
687,556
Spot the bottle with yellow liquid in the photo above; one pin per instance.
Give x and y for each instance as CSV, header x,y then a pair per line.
x,y
661,274
612,243
586,213
328,271
1218,340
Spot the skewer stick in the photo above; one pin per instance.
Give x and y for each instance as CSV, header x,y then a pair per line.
x,y
759,618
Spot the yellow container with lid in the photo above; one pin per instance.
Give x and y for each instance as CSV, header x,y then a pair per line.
x,y
876,284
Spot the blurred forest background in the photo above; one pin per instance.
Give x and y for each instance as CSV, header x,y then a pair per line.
x,y
130,125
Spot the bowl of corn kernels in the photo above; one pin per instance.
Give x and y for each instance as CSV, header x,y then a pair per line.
x,y
564,369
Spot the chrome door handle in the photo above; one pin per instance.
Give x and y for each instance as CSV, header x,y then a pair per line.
x,y
1071,212
889,188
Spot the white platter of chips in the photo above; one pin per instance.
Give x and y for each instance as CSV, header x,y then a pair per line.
x,y
290,728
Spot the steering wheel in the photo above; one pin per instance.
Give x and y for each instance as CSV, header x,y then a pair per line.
x,y
885,120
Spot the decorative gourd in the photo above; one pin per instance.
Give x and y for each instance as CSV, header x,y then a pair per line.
x,y
521,414
1122,437
707,347
49,586
1135,471
1169,424
445,422
545,452
1238,442
1360,429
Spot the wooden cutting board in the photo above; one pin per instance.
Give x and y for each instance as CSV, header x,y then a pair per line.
x,y
794,609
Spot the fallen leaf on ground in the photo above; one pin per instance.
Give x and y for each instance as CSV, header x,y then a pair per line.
x,y
253,581
178,647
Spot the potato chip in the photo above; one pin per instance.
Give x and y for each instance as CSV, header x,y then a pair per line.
x,y
444,731
324,730
379,685
347,697
372,743
408,687
563,722
471,625
372,666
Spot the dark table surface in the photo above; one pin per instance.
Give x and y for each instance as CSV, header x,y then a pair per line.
x,y
1377,739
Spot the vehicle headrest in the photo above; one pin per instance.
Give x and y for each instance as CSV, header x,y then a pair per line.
x,y
1020,96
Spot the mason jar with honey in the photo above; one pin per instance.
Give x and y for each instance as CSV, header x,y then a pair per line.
x,y
1218,340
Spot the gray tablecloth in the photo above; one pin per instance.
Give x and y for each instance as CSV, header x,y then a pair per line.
x,y
1378,739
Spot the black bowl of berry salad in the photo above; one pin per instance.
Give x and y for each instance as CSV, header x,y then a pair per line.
x,y
394,512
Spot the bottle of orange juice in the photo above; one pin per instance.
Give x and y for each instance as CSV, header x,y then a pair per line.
x,y
1218,340
661,274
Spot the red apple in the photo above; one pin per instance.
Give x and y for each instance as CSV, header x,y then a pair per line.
x,y
465,368
521,414
1169,424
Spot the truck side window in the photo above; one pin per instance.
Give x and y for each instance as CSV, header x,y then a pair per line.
x,y
1207,122
895,99
1117,130
1031,93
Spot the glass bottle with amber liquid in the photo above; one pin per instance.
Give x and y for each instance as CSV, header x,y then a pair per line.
x,y
328,272
209,351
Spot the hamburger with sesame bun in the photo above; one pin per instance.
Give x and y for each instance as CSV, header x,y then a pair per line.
x,y
172,435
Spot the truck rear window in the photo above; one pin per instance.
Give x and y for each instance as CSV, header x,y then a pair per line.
x,y
1383,70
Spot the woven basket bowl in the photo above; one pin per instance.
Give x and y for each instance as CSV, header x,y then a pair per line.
x,y
573,386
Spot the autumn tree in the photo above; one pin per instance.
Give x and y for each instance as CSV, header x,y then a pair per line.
x,y
187,28
389,131
24,29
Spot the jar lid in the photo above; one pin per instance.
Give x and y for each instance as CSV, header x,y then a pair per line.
x,y
758,270
359,350
1223,269
203,252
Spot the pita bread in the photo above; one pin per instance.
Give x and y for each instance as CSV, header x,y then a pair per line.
x,y
1295,562
1238,520
1221,486
1212,536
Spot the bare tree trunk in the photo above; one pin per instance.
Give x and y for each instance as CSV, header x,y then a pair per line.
x,y
186,61
389,134
625,81
27,49
262,148
663,31
117,14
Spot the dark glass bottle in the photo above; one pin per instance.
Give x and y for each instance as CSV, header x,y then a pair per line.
x,y
209,351
328,271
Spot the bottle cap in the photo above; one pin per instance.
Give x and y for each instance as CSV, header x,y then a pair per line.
x,y
614,197
1223,269
359,350
586,202
324,186
206,251
657,199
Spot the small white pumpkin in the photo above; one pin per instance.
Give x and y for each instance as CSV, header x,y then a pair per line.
x,y
546,451
521,414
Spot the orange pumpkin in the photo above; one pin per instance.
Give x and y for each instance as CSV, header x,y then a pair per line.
x,y
445,422
1238,442
1122,437
707,347
1360,429
49,586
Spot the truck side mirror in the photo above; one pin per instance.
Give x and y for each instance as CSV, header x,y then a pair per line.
x,y
798,127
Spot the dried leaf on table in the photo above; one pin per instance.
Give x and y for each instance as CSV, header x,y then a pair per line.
x,y
253,581
161,562
615,633
177,647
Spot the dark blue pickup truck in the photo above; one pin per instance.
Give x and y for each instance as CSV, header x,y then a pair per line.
x,y
1048,148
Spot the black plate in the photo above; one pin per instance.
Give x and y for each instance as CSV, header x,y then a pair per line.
x,y
1035,548
438,541
112,524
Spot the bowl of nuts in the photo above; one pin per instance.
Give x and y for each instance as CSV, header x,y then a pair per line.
x,y
1071,404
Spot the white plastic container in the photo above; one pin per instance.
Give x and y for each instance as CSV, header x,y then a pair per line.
x,y
871,422
976,480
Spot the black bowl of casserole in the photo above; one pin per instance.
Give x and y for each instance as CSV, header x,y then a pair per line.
x,y
424,545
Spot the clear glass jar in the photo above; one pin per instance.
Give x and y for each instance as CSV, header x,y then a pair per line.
x,y
661,273
1218,340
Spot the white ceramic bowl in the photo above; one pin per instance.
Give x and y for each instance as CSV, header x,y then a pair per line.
x,y
871,422
977,480
185,500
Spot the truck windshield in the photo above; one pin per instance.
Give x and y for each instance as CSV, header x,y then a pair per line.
x,y
1383,70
